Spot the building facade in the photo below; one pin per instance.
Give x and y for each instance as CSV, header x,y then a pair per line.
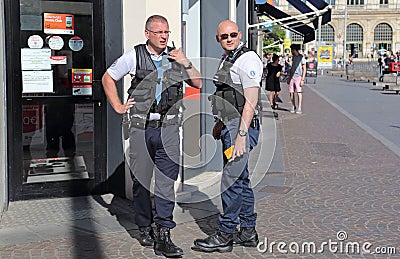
x,y
371,25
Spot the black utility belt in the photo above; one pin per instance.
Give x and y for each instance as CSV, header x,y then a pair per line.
x,y
144,124
255,122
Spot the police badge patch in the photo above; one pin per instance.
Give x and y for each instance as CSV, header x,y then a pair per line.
x,y
252,74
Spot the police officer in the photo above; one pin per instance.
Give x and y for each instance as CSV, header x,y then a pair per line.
x,y
234,103
155,91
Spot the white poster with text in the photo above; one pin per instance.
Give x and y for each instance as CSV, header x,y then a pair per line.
x,y
37,81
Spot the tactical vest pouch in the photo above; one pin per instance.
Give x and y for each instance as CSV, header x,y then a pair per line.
x,y
225,103
144,91
216,100
240,100
222,76
173,93
142,74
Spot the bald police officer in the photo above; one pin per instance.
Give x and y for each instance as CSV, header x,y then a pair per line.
x,y
234,104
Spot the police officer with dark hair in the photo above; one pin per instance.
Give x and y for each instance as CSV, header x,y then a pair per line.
x,y
235,105
156,90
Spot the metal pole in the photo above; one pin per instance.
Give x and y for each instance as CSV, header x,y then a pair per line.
x,y
252,36
345,33
232,10
185,12
260,44
247,22
319,28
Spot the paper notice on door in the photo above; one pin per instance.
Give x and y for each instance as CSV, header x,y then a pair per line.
x,y
35,59
37,82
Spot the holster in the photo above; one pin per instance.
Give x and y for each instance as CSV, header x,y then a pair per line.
x,y
126,125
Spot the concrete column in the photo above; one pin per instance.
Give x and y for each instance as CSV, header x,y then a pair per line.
x,y
3,120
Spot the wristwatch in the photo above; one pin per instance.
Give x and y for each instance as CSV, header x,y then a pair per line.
x,y
242,133
189,66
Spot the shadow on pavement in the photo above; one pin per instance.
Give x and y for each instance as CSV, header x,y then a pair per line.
x,y
390,93
85,239
122,209
117,205
203,211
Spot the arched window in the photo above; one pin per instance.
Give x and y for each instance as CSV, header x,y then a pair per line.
x,y
383,32
355,40
383,36
354,32
327,33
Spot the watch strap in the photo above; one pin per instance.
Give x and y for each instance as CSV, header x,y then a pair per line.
x,y
189,66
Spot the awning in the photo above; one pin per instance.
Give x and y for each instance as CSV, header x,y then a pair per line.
x,y
317,4
286,21
297,23
303,8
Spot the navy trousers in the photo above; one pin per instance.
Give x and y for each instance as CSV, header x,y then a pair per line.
x,y
154,149
237,195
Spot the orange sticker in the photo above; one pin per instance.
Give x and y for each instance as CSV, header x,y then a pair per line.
x,y
58,23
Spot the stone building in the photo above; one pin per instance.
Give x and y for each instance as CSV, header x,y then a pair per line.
x,y
371,25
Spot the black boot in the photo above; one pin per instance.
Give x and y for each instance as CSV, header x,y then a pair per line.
x,y
146,237
219,241
163,244
246,237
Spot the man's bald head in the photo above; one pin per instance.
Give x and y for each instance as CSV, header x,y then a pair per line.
x,y
227,24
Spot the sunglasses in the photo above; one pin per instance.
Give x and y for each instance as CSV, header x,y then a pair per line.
x,y
159,33
226,36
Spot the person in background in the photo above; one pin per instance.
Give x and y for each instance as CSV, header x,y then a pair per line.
x,y
265,62
380,69
272,83
297,75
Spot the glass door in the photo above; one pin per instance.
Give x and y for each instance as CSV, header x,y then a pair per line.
x,y
58,99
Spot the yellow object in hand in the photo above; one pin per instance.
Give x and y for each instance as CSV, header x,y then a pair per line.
x,y
228,152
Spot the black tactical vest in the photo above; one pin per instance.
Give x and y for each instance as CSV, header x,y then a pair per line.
x,y
143,86
228,99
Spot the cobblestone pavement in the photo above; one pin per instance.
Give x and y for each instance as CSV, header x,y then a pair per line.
x,y
339,182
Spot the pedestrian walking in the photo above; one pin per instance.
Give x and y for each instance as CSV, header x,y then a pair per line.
x,y
234,104
296,78
272,83
265,62
154,129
